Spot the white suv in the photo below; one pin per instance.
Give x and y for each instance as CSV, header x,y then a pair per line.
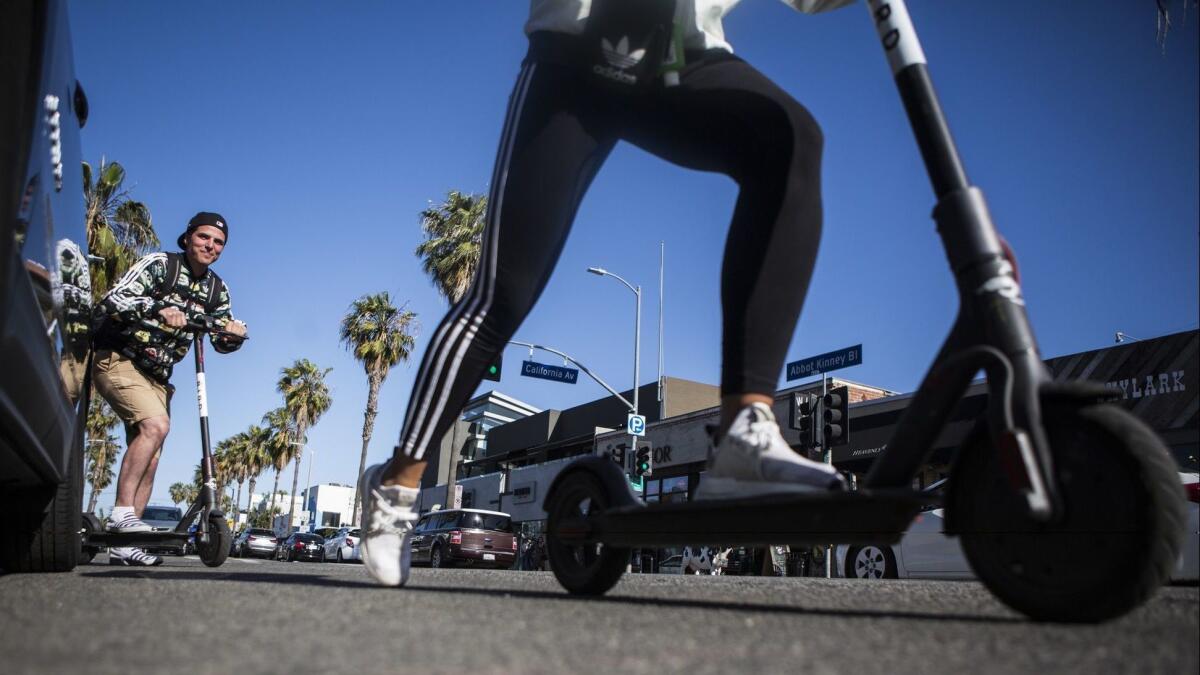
x,y
343,545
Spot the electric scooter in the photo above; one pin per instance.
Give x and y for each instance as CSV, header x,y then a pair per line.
x,y
213,539
1067,508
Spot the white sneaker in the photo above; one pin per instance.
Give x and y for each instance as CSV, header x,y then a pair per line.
x,y
387,523
128,523
753,459
132,556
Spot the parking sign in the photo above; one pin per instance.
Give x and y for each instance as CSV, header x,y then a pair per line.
x,y
635,425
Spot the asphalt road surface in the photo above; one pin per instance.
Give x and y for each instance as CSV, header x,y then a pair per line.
x,y
252,616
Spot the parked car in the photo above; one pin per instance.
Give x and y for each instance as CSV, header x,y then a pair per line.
x,y
45,290
302,546
925,551
343,545
164,519
464,536
254,541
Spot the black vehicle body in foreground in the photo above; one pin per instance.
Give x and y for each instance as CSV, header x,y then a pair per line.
x,y
45,289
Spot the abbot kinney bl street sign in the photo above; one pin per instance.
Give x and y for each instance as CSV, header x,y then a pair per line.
x,y
842,358
548,372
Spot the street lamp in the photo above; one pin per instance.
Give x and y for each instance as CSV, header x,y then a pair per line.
x,y
637,329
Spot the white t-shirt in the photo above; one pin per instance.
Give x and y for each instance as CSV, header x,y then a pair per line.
x,y
702,18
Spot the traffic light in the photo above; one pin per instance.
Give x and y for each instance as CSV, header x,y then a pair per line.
x,y
804,409
642,461
836,405
493,370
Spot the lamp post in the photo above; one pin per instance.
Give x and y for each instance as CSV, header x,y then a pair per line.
x,y
312,513
637,329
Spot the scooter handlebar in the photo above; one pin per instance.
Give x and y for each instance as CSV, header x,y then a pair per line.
x,y
202,323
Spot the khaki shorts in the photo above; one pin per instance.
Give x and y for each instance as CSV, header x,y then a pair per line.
x,y
132,395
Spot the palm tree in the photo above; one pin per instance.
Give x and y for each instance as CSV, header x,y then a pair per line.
x,y
380,335
453,242
280,446
183,493
102,447
306,397
451,250
257,456
119,230
230,457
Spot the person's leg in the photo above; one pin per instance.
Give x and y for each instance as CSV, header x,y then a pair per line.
x,y
548,155
727,117
142,404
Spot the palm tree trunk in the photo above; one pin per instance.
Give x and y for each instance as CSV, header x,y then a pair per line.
x,y
237,500
274,493
250,494
92,500
300,433
373,382
452,476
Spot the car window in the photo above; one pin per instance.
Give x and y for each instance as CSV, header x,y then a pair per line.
x,y
487,521
443,521
355,533
258,532
161,513
422,524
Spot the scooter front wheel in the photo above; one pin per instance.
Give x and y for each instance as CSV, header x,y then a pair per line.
x,y
582,568
1115,542
216,550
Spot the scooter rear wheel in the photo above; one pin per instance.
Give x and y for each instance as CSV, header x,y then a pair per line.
x,y
1117,539
216,550
582,569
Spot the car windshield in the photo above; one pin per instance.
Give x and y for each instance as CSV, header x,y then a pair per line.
x,y
161,513
486,521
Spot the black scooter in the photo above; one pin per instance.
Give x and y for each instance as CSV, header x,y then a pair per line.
x,y
1068,509
213,539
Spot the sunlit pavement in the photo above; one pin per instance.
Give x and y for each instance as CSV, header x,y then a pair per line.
x,y
256,616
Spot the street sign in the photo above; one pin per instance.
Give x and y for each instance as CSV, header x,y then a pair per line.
x,y
458,496
635,425
547,372
824,363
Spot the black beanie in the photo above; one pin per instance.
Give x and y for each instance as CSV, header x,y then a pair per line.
x,y
204,218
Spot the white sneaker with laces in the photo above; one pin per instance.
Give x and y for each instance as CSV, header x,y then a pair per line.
x,y
128,523
752,459
387,522
132,556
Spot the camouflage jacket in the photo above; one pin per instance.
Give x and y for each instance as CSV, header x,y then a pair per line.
x,y
133,327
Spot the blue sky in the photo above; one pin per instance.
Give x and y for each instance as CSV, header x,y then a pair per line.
x,y
321,130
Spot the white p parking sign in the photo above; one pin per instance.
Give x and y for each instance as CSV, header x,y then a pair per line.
x,y
635,425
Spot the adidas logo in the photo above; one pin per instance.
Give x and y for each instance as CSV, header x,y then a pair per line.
x,y
620,56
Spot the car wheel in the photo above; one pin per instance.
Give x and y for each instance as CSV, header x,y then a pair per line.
x,y
436,559
339,555
42,524
871,562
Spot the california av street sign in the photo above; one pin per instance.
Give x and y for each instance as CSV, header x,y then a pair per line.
x,y
548,372
842,358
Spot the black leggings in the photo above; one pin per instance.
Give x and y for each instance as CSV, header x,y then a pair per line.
x,y
724,117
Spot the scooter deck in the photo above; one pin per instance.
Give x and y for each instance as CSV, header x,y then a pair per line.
x,y
867,516
134,538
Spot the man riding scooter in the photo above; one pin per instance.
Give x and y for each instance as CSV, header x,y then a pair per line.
x,y
142,334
